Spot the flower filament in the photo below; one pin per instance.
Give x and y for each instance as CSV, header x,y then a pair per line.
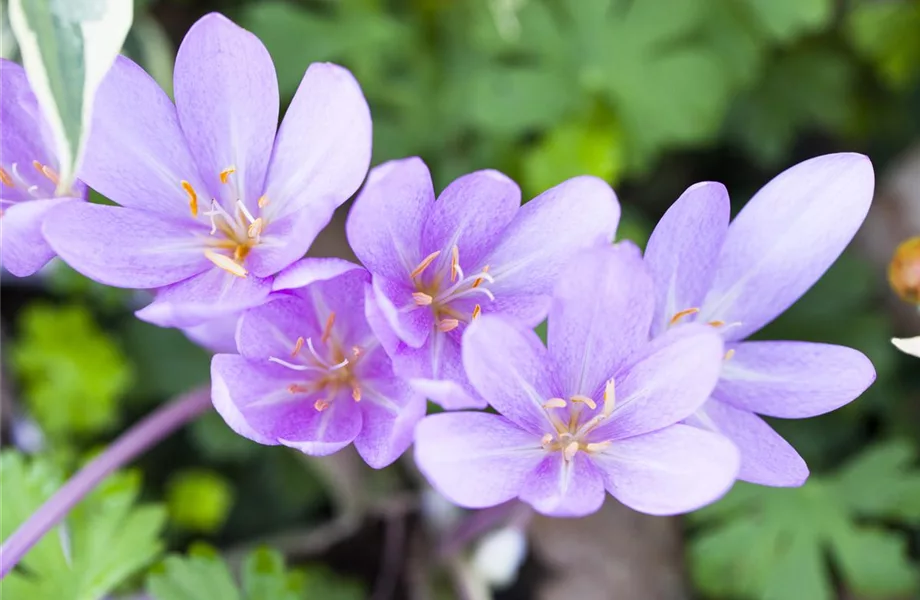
x,y
441,288
38,187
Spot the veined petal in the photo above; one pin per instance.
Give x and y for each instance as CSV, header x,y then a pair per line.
x,y
236,383
671,471
323,433
411,324
601,313
475,459
227,100
125,247
766,458
683,250
391,409
309,270
25,250
786,237
136,153
272,329
436,371
509,367
216,335
323,147
384,226
561,488
793,380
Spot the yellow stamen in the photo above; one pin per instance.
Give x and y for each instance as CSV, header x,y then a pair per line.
x,y
424,264
356,393
226,173
684,313
546,441
263,200
327,330
610,397
476,311
446,325
320,405
729,354
192,197
597,446
255,228
454,262
226,263
356,351
298,345
570,451
46,171
717,323
584,400
554,403
422,299
5,178
479,280
296,388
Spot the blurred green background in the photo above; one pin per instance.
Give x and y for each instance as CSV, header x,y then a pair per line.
x,y
651,95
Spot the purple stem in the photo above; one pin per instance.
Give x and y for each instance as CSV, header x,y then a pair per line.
x,y
134,441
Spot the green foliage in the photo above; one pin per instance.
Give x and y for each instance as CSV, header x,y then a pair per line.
x,y
72,374
199,500
103,542
774,543
167,363
203,574
886,34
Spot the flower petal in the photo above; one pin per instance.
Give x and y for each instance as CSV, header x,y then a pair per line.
x,y
25,250
412,325
683,250
236,382
508,366
786,237
766,458
217,335
308,270
391,409
324,433
323,147
125,247
436,371
136,154
272,329
670,471
227,99
475,459
384,226
601,312
793,380
471,213
561,488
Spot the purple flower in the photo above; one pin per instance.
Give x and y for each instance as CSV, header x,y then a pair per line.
x,y
437,265
311,375
28,175
738,278
213,202
599,409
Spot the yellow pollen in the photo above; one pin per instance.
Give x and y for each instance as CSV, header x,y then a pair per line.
x,y
356,393
570,451
584,400
422,299
546,441
424,264
255,228
479,280
295,388
192,197
476,311
729,354
47,171
297,346
454,262
597,446
5,178
327,330
610,397
226,263
226,173
554,403
320,405
717,323
684,313
263,200
240,252
446,325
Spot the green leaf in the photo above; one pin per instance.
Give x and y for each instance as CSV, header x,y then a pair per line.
x,y
886,33
784,20
71,372
167,362
883,482
199,500
67,47
103,542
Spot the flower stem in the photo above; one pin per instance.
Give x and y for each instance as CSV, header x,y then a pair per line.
x,y
130,444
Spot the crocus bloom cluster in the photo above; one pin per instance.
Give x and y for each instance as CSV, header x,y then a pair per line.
x,y
438,265
310,374
213,203
739,277
598,409
28,175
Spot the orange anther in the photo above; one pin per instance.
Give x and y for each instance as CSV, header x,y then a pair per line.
x,y
327,330
479,280
226,263
477,310
422,299
192,197
446,325
5,178
356,393
684,313
717,323
320,405
424,264
226,173
263,200
454,262
298,345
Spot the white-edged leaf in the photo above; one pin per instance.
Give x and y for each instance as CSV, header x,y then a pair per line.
x,y
67,46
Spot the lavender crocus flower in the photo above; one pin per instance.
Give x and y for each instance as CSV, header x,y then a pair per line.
x,y
213,202
738,278
437,265
311,375
28,175
599,409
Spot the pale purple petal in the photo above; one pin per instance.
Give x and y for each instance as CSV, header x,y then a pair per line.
x,y
561,488
475,459
125,247
766,458
601,312
272,329
323,147
232,389
384,226
471,213
670,471
786,237
216,335
308,270
378,323
227,99
136,153
666,385
793,380
322,433
213,294
25,250
282,242
683,250
410,323
436,371
391,410
508,366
